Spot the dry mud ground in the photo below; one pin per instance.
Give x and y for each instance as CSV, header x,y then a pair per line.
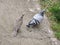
x,y
10,10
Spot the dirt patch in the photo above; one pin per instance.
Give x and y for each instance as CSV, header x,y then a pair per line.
x,y
10,10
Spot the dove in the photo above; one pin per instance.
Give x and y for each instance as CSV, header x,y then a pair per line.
x,y
36,20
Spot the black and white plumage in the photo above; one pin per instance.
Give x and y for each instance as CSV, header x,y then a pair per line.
x,y
37,18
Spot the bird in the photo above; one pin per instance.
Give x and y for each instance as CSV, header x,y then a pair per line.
x,y
36,20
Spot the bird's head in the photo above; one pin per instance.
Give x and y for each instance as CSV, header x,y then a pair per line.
x,y
42,12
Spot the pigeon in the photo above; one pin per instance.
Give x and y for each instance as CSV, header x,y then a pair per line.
x,y
37,18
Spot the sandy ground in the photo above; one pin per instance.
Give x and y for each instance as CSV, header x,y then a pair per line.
x,y
10,10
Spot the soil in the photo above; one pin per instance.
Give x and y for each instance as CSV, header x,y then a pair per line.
x,y
10,11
